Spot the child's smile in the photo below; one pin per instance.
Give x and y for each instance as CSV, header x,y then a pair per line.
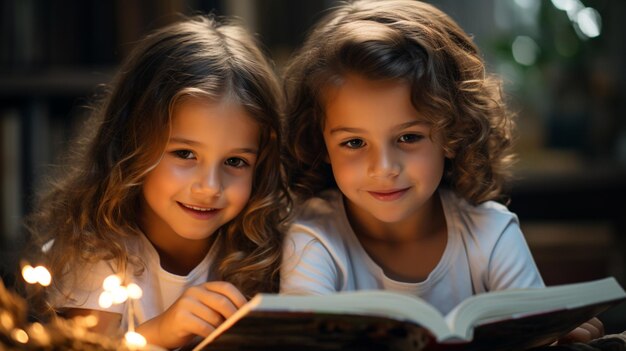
x,y
388,195
200,212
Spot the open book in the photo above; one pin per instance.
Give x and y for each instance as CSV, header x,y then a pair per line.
x,y
365,320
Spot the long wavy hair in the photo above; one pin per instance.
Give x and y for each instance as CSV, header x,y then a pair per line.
x,y
93,205
412,42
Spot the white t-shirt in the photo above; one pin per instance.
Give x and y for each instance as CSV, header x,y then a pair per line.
x,y
160,288
485,251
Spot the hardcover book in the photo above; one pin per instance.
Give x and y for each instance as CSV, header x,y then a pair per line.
x,y
515,319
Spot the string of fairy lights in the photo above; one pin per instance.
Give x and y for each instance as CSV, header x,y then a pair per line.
x,y
16,333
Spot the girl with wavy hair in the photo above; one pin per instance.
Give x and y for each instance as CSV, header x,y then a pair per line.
x,y
178,188
397,149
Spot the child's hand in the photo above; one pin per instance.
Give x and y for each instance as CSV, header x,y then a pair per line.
x,y
592,329
198,311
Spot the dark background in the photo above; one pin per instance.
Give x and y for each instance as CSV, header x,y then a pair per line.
x,y
567,87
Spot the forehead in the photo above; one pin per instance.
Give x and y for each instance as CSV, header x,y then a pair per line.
x,y
208,122
356,98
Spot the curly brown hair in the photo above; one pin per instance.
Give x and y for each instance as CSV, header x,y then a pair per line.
x,y
413,42
93,204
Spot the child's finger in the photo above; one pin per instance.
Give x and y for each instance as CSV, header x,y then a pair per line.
x,y
205,313
218,302
221,297
198,326
228,290
593,330
577,335
598,325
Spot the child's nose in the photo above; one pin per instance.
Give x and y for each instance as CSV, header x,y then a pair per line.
x,y
208,183
384,164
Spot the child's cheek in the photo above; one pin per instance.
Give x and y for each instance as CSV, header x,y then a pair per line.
x,y
349,168
240,189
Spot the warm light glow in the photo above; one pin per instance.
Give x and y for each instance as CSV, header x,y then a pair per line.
x,y
119,294
115,293
90,321
38,332
37,274
43,275
135,340
106,299
20,336
111,282
28,272
6,320
37,327
134,291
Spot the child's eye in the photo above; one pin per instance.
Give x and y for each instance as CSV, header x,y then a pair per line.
x,y
353,143
410,138
236,162
184,154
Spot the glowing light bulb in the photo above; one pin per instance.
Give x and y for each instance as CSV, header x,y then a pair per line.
x,y
37,274
37,328
90,321
38,332
19,335
134,340
28,272
106,299
43,275
120,294
6,320
111,282
134,291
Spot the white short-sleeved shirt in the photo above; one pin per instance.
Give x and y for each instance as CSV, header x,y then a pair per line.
x,y
485,251
160,287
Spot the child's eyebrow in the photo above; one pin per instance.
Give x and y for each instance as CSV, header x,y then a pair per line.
x,y
398,127
346,129
184,141
246,151
243,150
411,124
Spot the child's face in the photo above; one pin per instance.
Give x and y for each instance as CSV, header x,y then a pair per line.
x,y
205,176
381,154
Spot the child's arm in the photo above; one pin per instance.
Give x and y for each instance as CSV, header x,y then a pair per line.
x,y
198,311
511,265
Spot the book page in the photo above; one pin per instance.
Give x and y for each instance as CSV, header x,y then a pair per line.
x,y
362,305
380,303
516,303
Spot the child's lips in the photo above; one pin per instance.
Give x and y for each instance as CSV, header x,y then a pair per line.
x,y
388,195
199,212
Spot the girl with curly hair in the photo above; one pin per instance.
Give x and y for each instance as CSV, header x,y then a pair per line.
x,y
397,148
178,188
